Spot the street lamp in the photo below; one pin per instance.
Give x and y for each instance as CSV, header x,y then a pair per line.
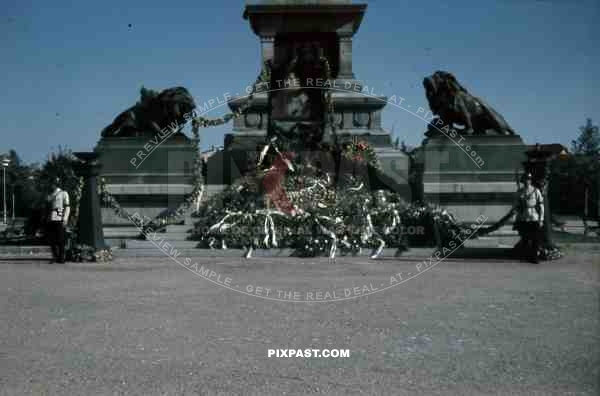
x,y
5,162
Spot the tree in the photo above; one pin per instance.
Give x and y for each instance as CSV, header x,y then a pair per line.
x,y
20,185
588,142
584,169
62,165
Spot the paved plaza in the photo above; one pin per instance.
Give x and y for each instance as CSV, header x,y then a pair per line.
x,y
148,326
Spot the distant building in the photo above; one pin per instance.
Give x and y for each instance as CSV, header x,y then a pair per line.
x,y
557,149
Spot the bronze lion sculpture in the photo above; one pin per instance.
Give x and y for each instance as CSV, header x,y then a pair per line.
x,y
454,105
152,113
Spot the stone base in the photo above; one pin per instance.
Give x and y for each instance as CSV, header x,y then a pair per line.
x,y
476,177
144,181
395,169
241,156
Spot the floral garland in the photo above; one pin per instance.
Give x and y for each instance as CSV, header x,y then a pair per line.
x,y
361,152
108,199
82,252
79,252
198,184
159,221
78,191
322,221
328,97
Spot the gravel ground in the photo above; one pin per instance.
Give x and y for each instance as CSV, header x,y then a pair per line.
x,y
151,327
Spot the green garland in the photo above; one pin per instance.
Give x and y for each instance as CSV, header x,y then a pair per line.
x,y
198,183
324,217
361,152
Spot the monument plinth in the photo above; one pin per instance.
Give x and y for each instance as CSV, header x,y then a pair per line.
x,y
472,186
146,182
309,42
469,170
147,163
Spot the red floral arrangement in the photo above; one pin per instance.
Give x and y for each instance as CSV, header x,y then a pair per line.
x,y
360,151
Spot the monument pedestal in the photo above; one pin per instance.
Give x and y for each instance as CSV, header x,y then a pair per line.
x,y
144,177
288,30
473,178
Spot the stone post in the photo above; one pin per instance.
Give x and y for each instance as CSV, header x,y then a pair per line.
x,y
345,56
90,218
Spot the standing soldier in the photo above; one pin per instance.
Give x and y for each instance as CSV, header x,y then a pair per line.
x,y
58,203
530,218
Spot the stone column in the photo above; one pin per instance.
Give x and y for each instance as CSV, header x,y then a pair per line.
x,y
90,217
267,47
345,56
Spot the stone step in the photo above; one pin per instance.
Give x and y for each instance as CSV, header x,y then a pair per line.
x,y
140,244
492,242
172,235
41,250
121,232
113,239
184,253
503,232
155,252
178,228
577,226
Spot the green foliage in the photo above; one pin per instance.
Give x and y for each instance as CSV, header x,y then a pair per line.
x,y
439,226
588,141
343,212
20,182
60,164
578,176
361,153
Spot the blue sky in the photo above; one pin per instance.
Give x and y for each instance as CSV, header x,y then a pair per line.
x,y
70,67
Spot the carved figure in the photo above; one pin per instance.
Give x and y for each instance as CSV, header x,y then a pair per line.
x,y
152,113
454,105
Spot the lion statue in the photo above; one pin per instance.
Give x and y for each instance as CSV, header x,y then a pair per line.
x,y
152,113
454,105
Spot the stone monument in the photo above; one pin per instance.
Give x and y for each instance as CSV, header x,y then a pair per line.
x,y
147,162
309,42
470,171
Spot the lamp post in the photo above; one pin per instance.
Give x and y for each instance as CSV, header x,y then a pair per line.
x,y
5,162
